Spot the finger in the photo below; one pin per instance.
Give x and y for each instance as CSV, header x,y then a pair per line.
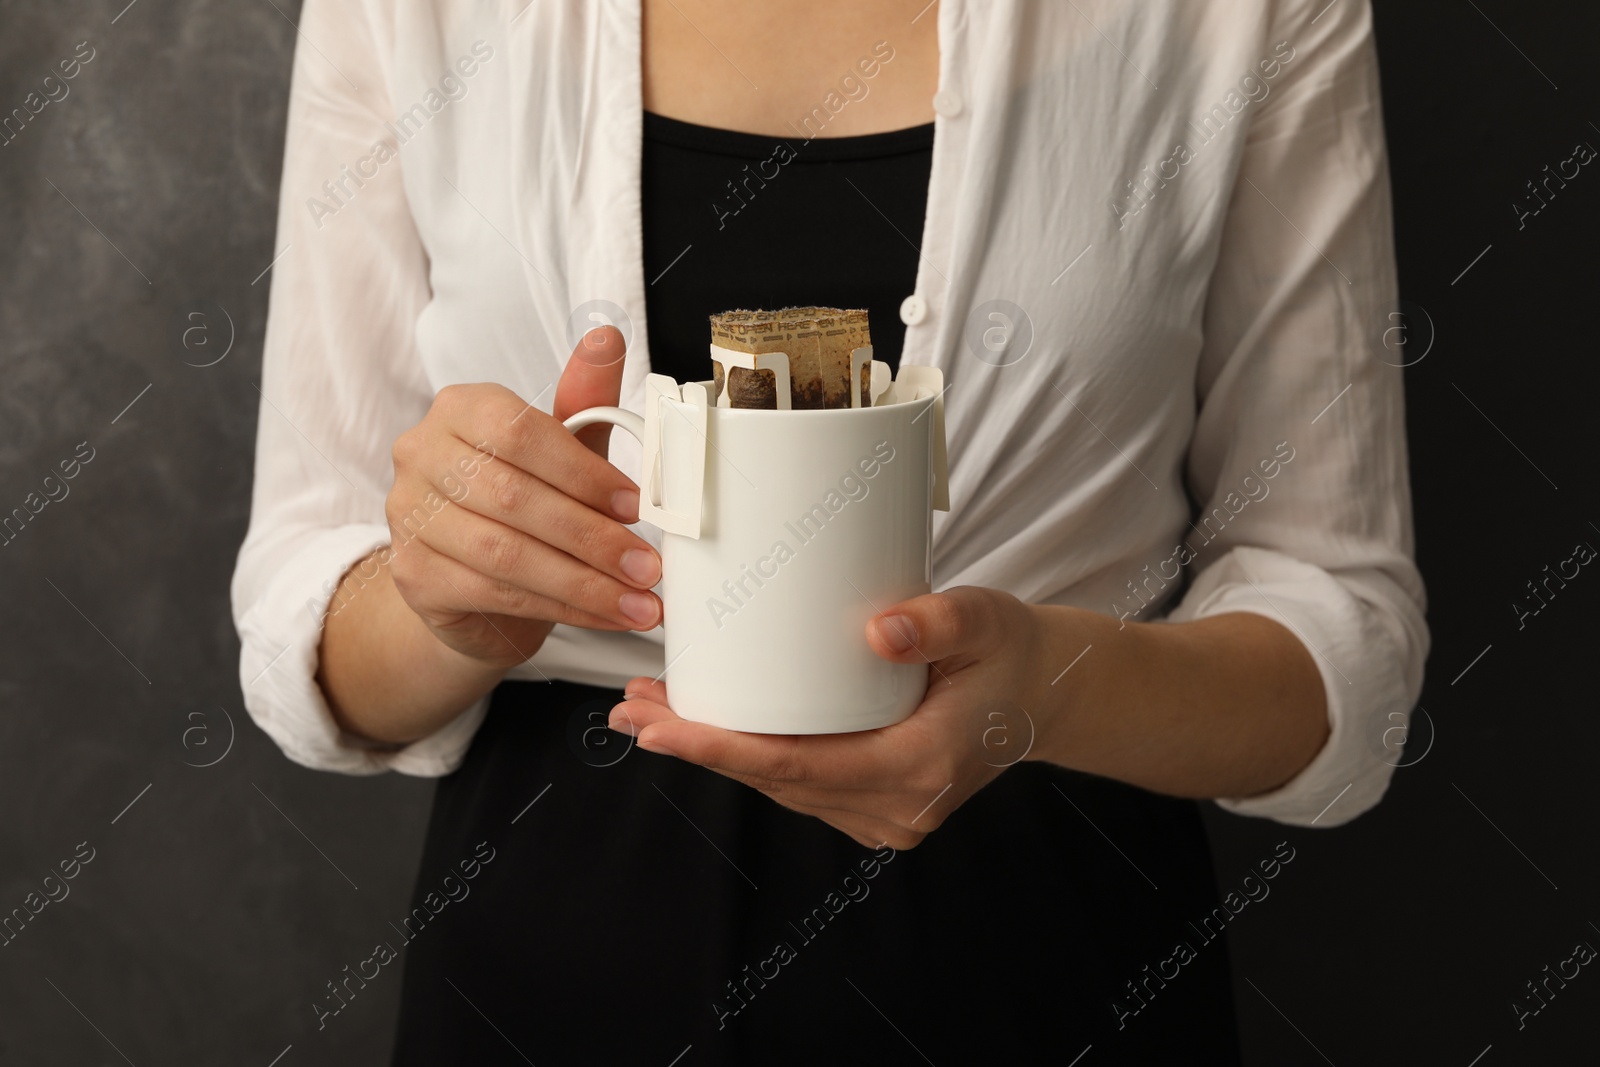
x,y
503,427
631,716
830,800
438,587
511,557
840,761
625,718
965,620
512,496
649,688
592,378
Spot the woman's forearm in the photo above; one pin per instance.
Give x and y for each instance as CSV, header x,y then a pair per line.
x,y
1225,706
386,677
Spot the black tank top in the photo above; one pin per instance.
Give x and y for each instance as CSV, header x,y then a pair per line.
x,y
625,907
737,220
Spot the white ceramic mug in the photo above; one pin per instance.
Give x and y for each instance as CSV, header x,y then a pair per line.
x,y
784,532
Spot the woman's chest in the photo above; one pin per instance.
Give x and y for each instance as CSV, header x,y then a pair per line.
x,y
765,68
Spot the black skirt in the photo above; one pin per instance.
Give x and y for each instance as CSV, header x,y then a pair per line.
x,y
584,901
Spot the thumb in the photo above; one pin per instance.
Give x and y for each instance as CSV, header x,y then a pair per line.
x,y
965,620
592,378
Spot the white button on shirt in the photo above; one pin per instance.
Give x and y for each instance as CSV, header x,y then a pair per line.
x,y
1197,278
947,103
913,309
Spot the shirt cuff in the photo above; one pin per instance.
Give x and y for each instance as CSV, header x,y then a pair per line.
x,y
280,635
1363,675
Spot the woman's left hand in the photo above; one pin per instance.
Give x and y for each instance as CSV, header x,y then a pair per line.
x,y
896,784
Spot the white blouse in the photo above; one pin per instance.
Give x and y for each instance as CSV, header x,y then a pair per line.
x,y
1157,265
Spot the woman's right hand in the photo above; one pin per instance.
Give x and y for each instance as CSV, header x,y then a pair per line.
x,y
503,523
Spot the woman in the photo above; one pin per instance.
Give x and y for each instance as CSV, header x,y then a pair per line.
x,y
1149,247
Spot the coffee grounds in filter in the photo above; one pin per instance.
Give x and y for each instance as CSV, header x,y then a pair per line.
x,y
818,341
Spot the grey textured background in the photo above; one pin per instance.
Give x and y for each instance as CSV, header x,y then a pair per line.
x,y
208,921
206,924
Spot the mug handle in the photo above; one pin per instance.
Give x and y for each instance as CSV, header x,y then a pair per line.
x,y
627,420
650,501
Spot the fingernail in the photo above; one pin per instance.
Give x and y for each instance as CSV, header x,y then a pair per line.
x,y
623,725
656,746
625,505
639,607
898,632
642,566
597,348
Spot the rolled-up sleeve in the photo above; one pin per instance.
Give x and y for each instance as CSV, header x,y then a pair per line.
x,y
340,380
1298,461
